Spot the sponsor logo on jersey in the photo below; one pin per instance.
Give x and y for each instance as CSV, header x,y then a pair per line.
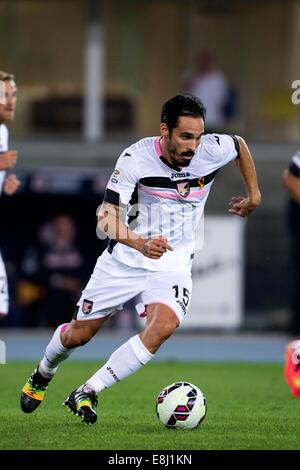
x,y
116,172
183,188
87,306
179,175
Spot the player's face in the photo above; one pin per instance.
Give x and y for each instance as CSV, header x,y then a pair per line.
x,y
7,110
182,143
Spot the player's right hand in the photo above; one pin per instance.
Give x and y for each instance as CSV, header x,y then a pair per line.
x,y
8,159
155,247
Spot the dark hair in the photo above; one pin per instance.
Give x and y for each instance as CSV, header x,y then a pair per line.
x,y
5,76
181,105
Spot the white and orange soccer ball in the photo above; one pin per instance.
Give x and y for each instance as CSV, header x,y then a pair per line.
x,y
181,405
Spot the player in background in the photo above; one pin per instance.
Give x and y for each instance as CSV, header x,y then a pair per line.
x,y
170,175
8,158
291,182
291,178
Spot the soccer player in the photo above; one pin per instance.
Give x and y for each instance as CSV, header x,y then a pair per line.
x,y
291,178
8,158
170,176
291,182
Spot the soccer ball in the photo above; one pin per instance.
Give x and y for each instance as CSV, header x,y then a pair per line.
x,y
181,405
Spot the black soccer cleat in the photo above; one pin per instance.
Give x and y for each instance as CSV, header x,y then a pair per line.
x,y
33,392
82,403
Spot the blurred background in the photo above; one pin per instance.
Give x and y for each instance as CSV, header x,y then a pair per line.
x,y
92,76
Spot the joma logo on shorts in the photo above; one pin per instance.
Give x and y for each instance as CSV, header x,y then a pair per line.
x,y
113,374
182,306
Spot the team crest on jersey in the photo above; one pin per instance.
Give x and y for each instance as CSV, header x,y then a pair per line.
x,y
183,188
87,306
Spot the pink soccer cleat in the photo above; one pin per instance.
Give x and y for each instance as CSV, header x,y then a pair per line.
x,y
292,366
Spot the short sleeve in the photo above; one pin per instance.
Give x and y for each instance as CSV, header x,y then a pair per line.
x,y
295,164
123,180
229,147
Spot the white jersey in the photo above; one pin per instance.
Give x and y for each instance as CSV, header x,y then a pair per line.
x,y
3,277
3,148
170,199
295,164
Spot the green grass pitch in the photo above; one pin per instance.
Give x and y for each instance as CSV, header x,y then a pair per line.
x,y
249,407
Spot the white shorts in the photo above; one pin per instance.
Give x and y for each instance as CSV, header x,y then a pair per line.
x,y
3,289
113,283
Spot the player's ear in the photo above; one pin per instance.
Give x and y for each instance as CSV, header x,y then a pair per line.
x,y
164,131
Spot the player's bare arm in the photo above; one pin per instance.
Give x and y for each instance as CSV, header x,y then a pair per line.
x,y
292,184
110,223
244,205
8,159
11,184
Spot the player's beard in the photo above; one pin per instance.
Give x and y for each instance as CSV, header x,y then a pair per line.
x,y
179,160
184,163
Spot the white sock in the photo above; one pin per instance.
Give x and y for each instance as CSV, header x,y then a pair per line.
x,y
54,354
126,360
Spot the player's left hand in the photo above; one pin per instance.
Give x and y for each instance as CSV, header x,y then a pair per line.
x,y
242,206
11,184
